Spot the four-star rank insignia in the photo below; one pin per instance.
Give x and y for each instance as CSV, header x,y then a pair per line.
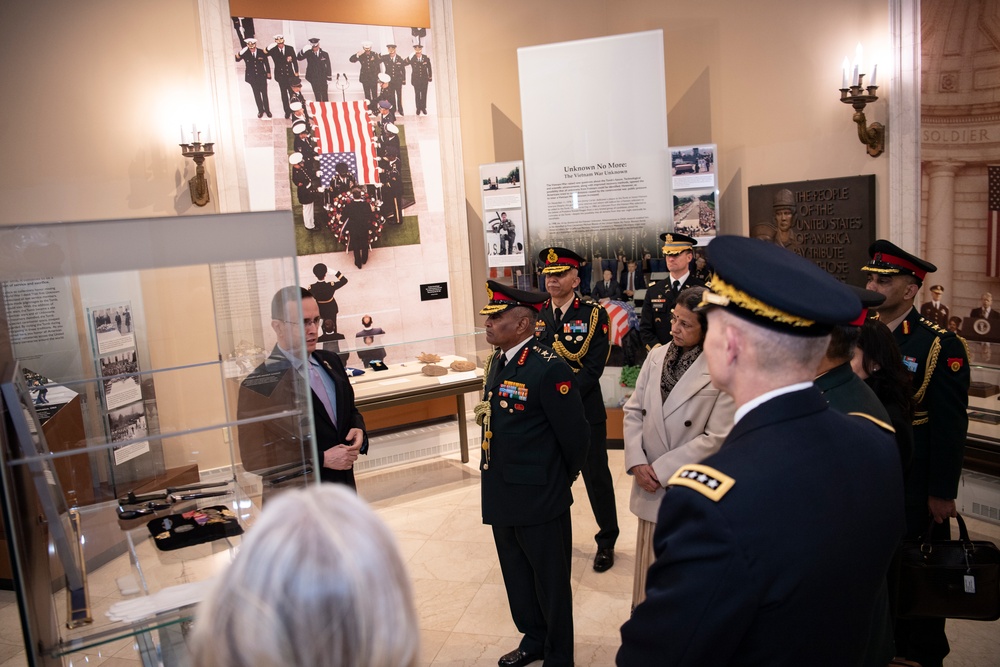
x,y
563,387
706,480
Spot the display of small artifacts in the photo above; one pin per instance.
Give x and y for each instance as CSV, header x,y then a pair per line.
x,y
433,370
198,526
461,365
428,358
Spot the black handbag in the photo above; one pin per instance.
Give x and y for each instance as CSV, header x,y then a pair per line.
x,y
949,578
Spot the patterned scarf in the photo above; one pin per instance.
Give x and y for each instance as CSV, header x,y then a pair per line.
x,y
675,365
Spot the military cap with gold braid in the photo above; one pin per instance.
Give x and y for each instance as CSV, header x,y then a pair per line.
x,y
559,260
775,288
675,244
889,259
503,297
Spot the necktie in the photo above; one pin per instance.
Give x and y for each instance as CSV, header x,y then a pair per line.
x,y
316,384
631,282
677,286
558,314
607,285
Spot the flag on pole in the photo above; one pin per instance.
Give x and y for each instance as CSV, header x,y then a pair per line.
x,y
344,127
993,224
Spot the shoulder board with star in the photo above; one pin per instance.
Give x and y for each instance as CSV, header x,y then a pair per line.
x,y
878,422
933,326
706,480
544,352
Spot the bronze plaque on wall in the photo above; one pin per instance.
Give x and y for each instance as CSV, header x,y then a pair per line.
x,y
829,221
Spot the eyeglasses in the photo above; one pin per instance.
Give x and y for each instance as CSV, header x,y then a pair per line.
x,y
314,322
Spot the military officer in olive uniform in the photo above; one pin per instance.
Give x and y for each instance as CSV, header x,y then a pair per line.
x,y
849,394
578,331
369,72
841,387
535,438
733,582
939,362
661,295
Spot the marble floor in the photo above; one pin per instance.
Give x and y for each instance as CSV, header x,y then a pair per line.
x,y
433,508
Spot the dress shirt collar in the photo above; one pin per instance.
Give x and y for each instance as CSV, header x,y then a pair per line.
x,y
512,352
763,398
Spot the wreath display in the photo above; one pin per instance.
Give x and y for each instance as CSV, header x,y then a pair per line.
x,y
337,225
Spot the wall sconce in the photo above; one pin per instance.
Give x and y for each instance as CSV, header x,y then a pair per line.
x,y
858,95
197,151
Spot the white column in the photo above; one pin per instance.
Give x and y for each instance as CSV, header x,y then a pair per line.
x,y
941,221
903,126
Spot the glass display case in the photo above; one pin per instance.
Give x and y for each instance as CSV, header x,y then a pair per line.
x,y
130,367
982,452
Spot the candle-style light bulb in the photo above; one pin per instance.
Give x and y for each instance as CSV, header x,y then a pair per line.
x,y
847,68
874,73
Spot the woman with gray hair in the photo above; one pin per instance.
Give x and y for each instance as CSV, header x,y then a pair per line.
x,y
674,417
317,582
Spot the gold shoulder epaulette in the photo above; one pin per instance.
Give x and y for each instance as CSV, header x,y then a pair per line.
x,y
878,422
707,481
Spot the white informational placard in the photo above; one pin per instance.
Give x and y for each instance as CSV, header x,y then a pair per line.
x,y
597,168
696,191
503,213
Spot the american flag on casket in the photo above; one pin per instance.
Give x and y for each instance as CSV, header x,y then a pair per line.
x,y
622,318
345,127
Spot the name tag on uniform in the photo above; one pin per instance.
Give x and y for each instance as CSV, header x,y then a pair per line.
x,y
658,304
910,363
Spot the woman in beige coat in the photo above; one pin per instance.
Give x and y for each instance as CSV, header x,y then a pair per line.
x,y
674,417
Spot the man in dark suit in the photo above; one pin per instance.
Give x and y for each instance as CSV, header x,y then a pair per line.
x,y
985,312
286,67
934,310
258,71
607,288
654,321
631,279
938,361
421,74
318,71
729,586
577,331
357,216
395,67
277,383
535,438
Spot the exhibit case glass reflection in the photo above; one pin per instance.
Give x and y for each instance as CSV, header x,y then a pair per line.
x,y
144,422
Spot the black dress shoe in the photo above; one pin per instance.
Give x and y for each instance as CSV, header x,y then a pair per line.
x,y
517,658
260,114
268,114
604,559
